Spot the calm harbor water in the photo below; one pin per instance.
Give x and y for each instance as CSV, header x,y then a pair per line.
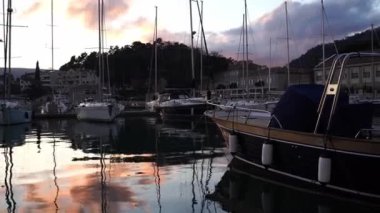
x,y
137,164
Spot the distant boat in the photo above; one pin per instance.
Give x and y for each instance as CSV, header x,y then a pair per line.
x,y
105,108
59,104
178,103
315,137
12,111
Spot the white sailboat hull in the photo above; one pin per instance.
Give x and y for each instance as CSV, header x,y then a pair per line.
x,y
101,111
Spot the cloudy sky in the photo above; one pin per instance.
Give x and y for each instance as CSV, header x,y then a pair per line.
x,y
75,26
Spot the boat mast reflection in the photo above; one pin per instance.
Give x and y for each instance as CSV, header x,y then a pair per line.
x,y
156,172
11,136
55,176
9,195
103,177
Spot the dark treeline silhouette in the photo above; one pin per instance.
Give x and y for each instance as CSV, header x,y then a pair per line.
x,y
357,42
132,65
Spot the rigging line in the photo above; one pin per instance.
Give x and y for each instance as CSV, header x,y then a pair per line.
x,y
260,78
154,42
377,37
200,13
240,43
328,27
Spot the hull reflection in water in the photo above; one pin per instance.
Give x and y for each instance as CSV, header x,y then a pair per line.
x,y
130,165
243,191
13,135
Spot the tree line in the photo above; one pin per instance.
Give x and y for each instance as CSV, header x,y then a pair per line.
x,y
133,65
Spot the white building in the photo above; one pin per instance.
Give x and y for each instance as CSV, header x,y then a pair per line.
x,y
65,81
277,82
360,75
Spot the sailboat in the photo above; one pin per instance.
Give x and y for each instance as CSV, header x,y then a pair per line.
x,y
152,104
177,103
58,104
245,100
12,111
106,108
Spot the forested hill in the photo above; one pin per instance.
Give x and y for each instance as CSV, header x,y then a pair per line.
x,y
358,42
133,64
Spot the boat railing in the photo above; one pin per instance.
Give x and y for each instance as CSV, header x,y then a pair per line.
x,y
367,133
276,119
233,111
333,85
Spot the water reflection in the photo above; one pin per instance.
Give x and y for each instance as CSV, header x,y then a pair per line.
x,y
238,191
55,176
134,165
11,136
14,135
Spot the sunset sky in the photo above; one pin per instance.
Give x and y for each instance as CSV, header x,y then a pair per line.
x,y
75,26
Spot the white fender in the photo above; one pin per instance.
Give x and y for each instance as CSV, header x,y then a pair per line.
x,y
233,143
267,154
324,169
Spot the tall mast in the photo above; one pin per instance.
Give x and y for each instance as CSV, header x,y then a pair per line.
x,y
10,10
203,42
246,41
100,5
243,47
201,52
270,65
287,41
5,40
323,43
192,51
155,53
52,36
202,28
372,67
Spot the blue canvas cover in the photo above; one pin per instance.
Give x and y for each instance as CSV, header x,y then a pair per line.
x,y
297,110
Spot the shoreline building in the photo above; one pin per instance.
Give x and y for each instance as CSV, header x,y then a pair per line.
x,y
361,76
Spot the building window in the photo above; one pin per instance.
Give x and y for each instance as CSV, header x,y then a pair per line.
x,y
354,74
366,74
